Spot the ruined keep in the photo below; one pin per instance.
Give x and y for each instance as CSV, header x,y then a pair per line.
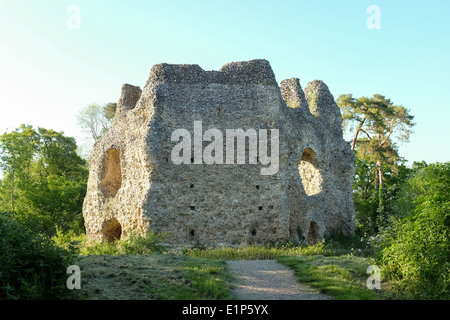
x,y
134,184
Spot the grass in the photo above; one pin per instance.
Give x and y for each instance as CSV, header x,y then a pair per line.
x,y
119,270
253,252
140,268
152,277
342,277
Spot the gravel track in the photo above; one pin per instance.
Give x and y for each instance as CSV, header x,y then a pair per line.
x,y
269,280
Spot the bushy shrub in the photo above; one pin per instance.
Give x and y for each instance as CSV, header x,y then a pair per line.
x,y
69,240
417,252
31,266
134,244
417,247
147,244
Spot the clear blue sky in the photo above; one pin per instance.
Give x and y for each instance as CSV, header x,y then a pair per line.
x,y
48,72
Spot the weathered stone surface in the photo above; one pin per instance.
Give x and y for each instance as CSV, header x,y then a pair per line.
x,y
134,185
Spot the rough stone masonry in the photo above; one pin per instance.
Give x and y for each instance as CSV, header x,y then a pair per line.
x,y
134,186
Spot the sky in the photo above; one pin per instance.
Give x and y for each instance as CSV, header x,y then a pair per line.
x,y
57,57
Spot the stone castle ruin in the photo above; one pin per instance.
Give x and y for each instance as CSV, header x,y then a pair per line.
x,y
141,179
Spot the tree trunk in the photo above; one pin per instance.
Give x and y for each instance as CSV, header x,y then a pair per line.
x,y
354,140
380,191
375,181
380,174
12,190
355,137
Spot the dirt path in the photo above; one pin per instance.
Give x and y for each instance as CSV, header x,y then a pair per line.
x,y
269,280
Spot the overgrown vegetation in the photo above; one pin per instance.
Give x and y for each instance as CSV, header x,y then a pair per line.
x,y
135,244
416,248
44,180
156,277
402,225
342,277
402,213
31,265
258,252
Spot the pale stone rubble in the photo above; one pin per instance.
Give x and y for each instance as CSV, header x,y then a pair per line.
x,y
135,186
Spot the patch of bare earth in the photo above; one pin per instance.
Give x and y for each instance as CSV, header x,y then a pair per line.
x,y
269,280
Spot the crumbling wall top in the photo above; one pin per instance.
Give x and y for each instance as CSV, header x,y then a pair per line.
x,y
247,72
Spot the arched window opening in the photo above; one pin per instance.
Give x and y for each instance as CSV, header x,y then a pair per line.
x,y
313,234
112,230
111,177
309,172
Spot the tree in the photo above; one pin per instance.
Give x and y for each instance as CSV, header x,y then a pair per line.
x,y
17,150
96,119
364,197
58,154
109,111
45,178
370,219
379,120
381,124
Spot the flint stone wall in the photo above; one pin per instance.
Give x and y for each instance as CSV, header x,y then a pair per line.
x,y
134,186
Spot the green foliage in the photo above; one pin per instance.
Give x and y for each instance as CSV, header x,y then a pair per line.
x,y
341,277
109,111
198,278
373,215
153,277
58,155
377,126
376,117
104,248
69,240
147,244
17,150
31,266
44,180
409,228
257,252
355,245
364,198
417,246
134,244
